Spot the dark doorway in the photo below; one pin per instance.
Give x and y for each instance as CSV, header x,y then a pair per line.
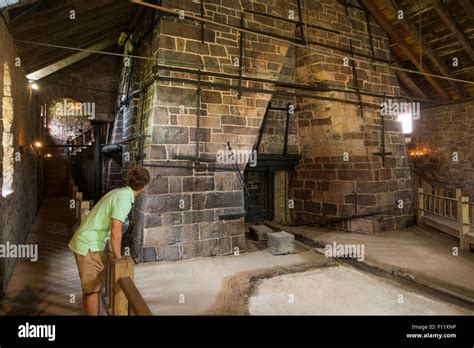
x,y
258,201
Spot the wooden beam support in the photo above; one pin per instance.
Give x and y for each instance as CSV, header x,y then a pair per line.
x,y
55,54
410,27
395,35
408,80
468,8
85,20
451,24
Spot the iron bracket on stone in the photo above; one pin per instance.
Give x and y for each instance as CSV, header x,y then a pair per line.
x,y
242,179
202,23
382,152
262,126
300,21
232,216
241,54
356,81
198,116
367,20
289,107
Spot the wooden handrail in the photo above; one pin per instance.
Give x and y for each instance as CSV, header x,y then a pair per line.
x,y
136,303
121,294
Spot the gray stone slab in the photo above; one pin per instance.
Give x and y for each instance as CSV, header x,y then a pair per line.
x,y
281,243
259,232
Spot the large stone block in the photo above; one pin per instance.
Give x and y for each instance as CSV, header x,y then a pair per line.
x,y
280,243
167,253
223,199
259,232
200,248
198,184
170,135
166,203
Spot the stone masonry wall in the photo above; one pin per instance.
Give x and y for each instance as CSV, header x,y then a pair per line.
x,y
17,209
326,181
178,216
441,133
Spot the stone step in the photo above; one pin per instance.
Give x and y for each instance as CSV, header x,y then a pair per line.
x,y
259,232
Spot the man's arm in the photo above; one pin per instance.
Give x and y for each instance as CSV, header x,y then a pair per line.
x,y
116,238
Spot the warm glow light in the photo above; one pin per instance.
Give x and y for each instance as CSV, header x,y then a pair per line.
x,y
34,85
406,120
38,144
49,155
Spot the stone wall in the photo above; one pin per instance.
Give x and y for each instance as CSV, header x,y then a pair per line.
x,y
179,216
61,126
445,133
339,175
18,208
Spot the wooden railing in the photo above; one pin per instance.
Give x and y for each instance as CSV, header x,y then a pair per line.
x,y
454,208
121,296
82,141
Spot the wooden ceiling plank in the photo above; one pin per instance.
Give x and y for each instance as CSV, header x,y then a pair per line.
x,y
443,12
408,80
468,9
44,18
407,50
55,26
58,54
410,27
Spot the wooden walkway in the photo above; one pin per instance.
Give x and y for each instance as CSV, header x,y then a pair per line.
x,y
48,286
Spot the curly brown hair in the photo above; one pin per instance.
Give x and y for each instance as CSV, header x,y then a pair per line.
x,y
138,177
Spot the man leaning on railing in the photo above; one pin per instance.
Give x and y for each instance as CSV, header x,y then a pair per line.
x,y
104,222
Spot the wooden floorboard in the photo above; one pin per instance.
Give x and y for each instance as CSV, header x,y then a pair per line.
x,y
46,287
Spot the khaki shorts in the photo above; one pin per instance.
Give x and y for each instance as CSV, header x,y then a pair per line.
x,y
91,271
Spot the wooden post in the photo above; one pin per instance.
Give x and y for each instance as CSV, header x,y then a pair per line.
x,y
78,207
85,209
421,207
120,268
464,223
458,204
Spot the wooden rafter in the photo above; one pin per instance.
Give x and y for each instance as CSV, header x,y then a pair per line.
x,y
451,24
410,27
468,8
408,81
407,50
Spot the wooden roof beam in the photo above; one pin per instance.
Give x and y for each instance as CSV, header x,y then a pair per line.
x,y
451,24
468,8
395,35
408,81
410,27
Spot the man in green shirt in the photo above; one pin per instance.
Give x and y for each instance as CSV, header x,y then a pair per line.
x,y
104,222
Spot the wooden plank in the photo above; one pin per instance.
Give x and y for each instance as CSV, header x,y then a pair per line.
x,y
443,12
468,8
410,27
58,28
120,268
55,54
407,50
135,300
